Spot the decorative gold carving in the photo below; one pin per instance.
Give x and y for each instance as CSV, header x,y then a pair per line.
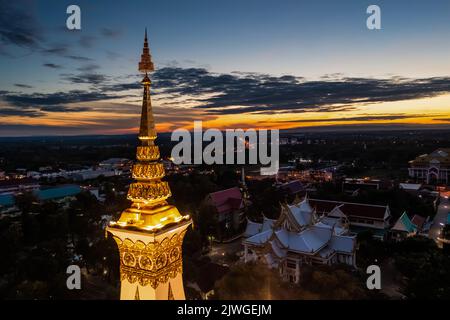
x,y
153,263
147,153
149,192
148,171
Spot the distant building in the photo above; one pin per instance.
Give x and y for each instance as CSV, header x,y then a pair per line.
x,y
115,163
92,174
229,206
59,194
299,237
431,168
413,188
405,227
18,185
292,188
351,185
361,217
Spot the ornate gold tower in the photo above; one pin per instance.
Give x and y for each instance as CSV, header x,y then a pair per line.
x,y
150,233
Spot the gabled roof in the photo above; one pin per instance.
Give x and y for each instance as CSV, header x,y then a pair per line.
x,y
419,221
308,241
343,243
404,224
227,200
252,228
302,213
441,156
350,209
410,186
259,238
293,187
255,227
267,224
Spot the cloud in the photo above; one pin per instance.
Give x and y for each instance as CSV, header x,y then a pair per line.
x,y
59,50
32,113
89,78
52,65
389,117
89,67
259,93
87,41
78,58
54,100
21,85
110,33
18,27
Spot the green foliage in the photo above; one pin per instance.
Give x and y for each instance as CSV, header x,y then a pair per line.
x,y
426,267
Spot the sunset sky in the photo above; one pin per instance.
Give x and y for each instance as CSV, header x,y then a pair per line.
x,y
233,64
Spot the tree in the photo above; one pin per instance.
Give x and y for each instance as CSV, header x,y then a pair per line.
x,y
426,268
25,201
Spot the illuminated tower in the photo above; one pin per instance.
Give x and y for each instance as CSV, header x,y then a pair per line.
x,y
150,233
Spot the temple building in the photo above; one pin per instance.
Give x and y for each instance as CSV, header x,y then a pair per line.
x,y
360,216
299,237
431,168
150,233
405,227
228,207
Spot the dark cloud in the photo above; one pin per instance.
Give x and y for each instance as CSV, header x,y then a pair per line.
x,y
61,108
87,41
112,55
32,113
59,50
54,99
122,87
110,33
21,85
78,58
18,26
356,118
89,67
260,93
89,78
52,65
442,119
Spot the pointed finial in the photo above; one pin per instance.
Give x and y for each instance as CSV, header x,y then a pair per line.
x,y
146,64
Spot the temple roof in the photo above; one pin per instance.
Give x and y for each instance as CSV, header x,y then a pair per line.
x,y
439,156
302,212
404,224
371,211
227,200
292,187
255,227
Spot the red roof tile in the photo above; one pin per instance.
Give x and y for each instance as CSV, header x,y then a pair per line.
x,y
350,209
227,200
419,221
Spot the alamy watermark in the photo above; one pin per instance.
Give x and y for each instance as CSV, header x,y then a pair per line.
x,y
232,146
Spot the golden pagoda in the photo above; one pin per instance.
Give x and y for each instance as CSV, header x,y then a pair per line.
x,y
150,233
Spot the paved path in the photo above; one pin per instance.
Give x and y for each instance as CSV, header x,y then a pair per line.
x,y
441,217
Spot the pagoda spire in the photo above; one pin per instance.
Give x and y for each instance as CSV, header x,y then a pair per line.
x,y
147,131
149,233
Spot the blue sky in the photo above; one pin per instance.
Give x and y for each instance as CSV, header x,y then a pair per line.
x,y
309,40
